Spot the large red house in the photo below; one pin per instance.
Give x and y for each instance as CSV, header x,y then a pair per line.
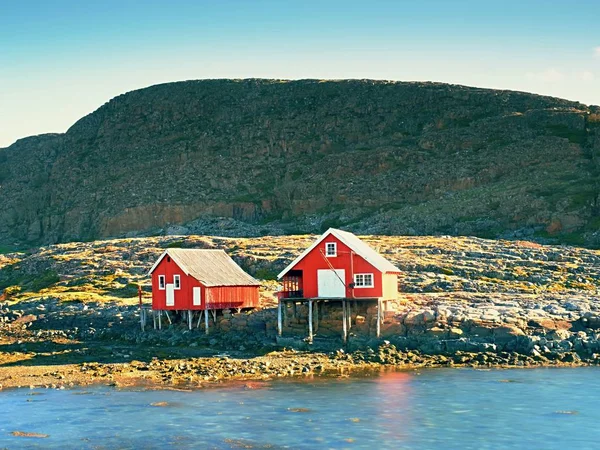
x,y
340,265
199,279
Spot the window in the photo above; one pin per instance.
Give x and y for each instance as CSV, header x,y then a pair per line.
x,y
161,282
177,282
330,249
363,280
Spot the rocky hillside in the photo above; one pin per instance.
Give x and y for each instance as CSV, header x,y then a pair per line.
x,y
248,157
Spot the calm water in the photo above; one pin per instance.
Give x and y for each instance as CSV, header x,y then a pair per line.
x,y
436,409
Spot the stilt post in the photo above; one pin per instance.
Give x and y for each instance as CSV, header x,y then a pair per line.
x,y
279,318
378,318
154,318
168,317
344,322
349,308
190,319
206,321
310,320
316,316
160,319
199,319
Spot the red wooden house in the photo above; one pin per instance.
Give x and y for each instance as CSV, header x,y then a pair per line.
x,y
340,265
199,279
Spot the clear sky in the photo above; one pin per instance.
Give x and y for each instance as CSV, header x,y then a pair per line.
x,y
62,59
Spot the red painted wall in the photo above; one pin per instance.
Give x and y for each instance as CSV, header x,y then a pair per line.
x,y
183,296
315,260
225,297
220,297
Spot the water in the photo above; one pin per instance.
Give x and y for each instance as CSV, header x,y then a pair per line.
x,y
435,409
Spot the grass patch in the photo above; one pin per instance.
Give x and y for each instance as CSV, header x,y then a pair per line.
x,y
563,131
43,281
265,274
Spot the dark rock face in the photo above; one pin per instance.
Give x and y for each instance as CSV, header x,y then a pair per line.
x,y
279,156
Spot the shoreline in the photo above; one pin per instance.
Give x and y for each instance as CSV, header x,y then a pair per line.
x,y
215,371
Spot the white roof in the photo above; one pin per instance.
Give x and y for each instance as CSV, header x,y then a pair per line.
x,y
355,244
210,267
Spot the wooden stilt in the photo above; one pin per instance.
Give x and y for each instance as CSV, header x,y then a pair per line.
x,y
310,320
344,322
190,319
214,312
206,321
199,319
378,318
279,317
160,319
168,317
316,316
286,320
154,318
349,316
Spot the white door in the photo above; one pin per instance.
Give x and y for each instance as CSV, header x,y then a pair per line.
x,y
170,295
331,284
197,301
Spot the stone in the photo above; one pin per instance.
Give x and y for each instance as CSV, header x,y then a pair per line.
x,y
559,335
455,333
507,332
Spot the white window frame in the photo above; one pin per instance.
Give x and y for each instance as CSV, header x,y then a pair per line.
x,y
162,282
330,255
361,276
177,282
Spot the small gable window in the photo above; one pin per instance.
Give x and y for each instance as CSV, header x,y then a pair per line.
x,y
161,282
331,249
363,280
177,281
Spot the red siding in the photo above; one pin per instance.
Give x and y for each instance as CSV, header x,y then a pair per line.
x,y
316,260
224,297
183,296
221,297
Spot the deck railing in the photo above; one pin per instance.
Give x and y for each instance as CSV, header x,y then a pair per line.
x,y
290,294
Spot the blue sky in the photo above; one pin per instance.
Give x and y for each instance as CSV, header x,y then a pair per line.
x,y
62,59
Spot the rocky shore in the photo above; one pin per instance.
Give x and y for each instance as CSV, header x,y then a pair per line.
x,y
463,302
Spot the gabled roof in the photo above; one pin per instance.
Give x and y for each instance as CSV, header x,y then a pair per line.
x,y
355,244
210,267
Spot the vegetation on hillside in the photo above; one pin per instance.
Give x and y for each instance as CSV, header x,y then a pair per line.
x,y
254,157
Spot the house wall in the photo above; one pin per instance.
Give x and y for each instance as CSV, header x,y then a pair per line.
x,y
183,296
316,260
220,297
390,286
226,297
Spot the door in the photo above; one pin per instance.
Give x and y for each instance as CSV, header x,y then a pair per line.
x,y
170,295
197,301
331,284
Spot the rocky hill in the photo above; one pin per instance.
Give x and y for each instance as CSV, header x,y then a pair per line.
x,y
248,157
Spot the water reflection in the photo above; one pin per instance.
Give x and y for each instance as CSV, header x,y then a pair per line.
x,y
449,409
392,395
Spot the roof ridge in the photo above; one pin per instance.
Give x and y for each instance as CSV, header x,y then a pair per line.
x,y
361,248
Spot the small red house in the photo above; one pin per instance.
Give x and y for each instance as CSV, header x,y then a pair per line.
x,y
340,265
199,279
